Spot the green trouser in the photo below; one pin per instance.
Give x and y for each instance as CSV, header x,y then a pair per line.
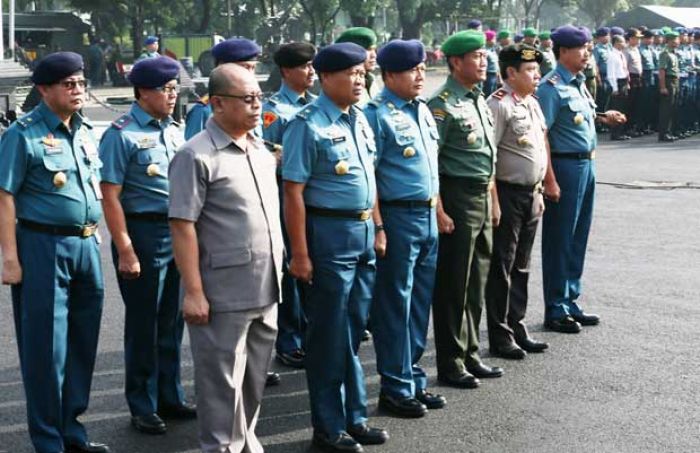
x,y
592,85
667,107
464,258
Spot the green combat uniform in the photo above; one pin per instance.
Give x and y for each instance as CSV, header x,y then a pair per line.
x,y
668,62
466,164
591,72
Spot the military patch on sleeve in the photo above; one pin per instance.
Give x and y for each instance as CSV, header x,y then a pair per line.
x,y
439,114
269,118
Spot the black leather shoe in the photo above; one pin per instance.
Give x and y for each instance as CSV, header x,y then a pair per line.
x,y
430,400
272,379
366,335
566,324
294,359
459,379
509,351
667,138
485,371
149,424
368,436
530,345
342,443
184,411
90,447
402,406
586,319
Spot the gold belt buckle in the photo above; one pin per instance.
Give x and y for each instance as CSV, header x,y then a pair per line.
x,y
433,202
364,216
88,230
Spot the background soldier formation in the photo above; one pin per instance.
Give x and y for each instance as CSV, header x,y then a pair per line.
x,y
387,203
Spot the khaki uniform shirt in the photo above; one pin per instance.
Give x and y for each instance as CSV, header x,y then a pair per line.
x,y
519,130
231,195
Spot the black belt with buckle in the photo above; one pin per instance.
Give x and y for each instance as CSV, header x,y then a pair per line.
x,y
84,231
363,215
575,156
469,183
149,216
410,204
521,187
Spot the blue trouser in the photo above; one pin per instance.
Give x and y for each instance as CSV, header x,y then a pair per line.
x,y
337,305
153,321
491,83
291,321
565,229
57,311
403,296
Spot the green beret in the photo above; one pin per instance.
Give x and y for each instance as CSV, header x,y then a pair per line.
x,y
666,29
503,34
671,34
546,35
530,32
463,42
361,36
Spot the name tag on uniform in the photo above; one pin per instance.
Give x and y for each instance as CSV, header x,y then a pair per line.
x,y
146,143
339,139
51,144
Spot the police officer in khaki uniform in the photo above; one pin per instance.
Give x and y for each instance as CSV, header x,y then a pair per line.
x,y
466,158
520,134
227,240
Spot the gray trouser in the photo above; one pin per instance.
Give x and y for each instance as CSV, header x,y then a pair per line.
x,y
231,357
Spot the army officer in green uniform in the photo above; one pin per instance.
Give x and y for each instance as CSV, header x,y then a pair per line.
x,y
466,158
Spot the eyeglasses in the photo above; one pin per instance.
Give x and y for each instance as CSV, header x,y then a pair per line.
x,y
71,84
169,89
248,98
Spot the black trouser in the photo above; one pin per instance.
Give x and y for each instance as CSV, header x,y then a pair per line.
x,y
668,107
620,102
635,105
506,290
603,93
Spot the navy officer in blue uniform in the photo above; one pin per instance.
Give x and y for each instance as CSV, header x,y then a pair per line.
x,y
135,152
329,193
295,63
569,184
241,51
50,183
406,171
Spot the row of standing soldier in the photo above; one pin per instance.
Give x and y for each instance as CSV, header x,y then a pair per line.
x,y
399,193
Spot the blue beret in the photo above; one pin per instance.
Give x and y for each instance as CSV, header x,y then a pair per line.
x,y
399,55
235,49
339,56
570,36
681,30
696,35
474,23
602,31
57,66
154,72
617,31
150,40
518,37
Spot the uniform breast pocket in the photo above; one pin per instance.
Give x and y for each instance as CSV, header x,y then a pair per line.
x,y
470,136
579,107
335,158
59,168
520,125
151,162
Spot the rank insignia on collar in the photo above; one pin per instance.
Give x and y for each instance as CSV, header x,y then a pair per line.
x,y
269,118
50,141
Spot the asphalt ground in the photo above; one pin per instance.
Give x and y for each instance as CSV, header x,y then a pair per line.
x,y
627,385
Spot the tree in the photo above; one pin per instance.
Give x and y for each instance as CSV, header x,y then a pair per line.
x,y
363,13
413,14
321,15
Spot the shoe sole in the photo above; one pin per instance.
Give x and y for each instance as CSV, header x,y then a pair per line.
x,y
458,385
319,445
390,410
152,432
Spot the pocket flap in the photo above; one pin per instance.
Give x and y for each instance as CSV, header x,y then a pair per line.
x,y
57,162
230,258
144,157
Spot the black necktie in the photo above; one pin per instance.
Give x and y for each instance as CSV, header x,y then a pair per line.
x,y
302,100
